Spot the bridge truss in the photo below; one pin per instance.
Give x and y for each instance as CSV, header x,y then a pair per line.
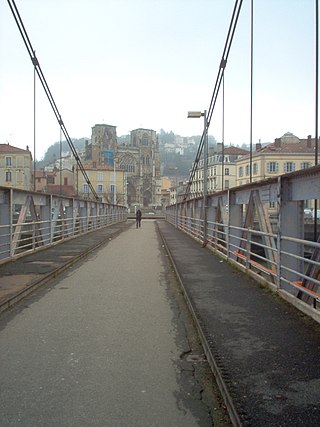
x,y
262,228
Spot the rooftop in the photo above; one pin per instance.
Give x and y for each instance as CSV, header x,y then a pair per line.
x,y
7,148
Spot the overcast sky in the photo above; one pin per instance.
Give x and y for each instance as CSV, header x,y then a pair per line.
x,y
145,63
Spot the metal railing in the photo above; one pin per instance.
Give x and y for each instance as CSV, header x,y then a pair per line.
x,y
32,221
271,248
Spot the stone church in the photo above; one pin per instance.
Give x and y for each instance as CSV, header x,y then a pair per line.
x,y
139,158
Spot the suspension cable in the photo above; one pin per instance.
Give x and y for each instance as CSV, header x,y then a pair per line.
x,y
48,93
222,66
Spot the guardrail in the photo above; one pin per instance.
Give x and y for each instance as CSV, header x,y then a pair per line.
x,y
31,221
262,228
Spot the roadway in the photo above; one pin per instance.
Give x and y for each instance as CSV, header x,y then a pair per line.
x,y
109,342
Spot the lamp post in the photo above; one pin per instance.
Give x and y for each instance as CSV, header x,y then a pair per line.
x,y
176,204
114,182
197,115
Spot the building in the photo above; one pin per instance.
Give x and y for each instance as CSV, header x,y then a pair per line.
x,y
140,160
108,182
16,167
286,154
56,181
103,144
136,161
221,171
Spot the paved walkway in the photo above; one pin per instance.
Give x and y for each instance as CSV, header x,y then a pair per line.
x,y
265,351
105,344
22,276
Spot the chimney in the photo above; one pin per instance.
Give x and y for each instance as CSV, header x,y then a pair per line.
x,y
277,142
309,144
258,146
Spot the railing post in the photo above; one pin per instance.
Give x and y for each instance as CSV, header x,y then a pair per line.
x,y
6,232
248,249
291,224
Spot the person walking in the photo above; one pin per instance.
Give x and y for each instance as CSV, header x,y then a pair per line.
x,y
138,218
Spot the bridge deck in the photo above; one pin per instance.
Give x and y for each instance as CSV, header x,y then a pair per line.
x,y
265,351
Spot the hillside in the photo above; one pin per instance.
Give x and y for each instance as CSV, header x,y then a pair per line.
x,y
180,155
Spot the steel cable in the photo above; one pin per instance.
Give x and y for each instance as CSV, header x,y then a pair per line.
x,y
48,93
223,63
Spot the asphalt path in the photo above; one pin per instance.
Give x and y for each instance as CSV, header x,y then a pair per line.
x,y
108,343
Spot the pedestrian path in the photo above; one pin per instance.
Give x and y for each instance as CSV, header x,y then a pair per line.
x,y
265,351
20,277
103,345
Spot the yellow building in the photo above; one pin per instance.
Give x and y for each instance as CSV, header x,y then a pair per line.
x,y
16,167
166,183
109,183
286,154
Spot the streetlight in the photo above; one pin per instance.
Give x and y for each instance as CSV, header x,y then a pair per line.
x,y
114,182
176,204
197,115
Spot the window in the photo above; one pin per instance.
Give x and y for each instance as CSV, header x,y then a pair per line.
x,y
85,188
8,162
112,188
65,181
272,205
50,179
289,167
247,170
226,184
272,167
214,183
255,168
100,176
241,171
305,165
226,172
20,162
19,176
215,171
8,176
100,188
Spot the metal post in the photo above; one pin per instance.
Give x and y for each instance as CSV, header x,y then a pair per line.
x,y
114,182
205,176
34,127
222,165
60,163
251,91
198,114
176,219
316,141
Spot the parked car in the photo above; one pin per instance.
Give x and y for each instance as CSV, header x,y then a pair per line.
x,y
308,213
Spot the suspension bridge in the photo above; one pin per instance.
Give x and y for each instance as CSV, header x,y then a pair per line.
x,y
91,332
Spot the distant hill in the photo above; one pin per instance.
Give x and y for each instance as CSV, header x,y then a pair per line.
x,y
169,160
53,152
